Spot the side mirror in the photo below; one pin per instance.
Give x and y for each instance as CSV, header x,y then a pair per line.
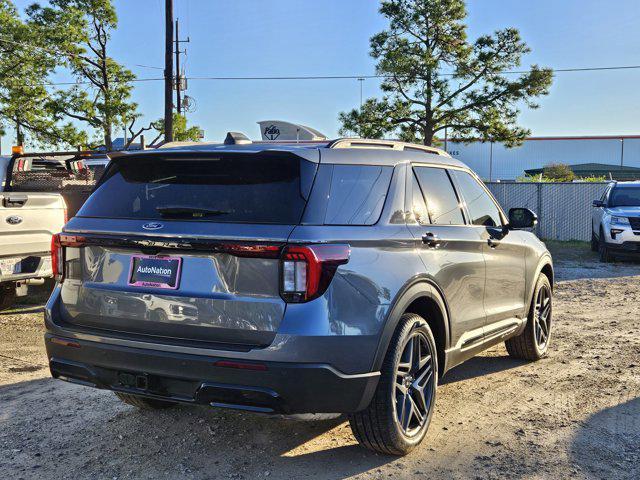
x,y
598,203
522,218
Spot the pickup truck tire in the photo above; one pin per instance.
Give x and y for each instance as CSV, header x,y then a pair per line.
x,y
528,345
594,242
380,426
603,250
144,403
7,296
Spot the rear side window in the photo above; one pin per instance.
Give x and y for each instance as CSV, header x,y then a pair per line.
x,y
241,188
418,206
442,203
356,194
482,208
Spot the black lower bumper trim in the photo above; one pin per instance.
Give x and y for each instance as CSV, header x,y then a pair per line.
x,y
628,248
280,388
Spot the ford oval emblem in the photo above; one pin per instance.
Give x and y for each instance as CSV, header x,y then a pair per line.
x,y
152,226
14,220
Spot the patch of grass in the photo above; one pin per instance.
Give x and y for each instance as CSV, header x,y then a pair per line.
x,y
566,244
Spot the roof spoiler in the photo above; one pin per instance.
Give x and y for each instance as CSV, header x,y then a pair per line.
x,y
236,138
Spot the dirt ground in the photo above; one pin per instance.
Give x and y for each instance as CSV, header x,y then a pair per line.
x,y
575,414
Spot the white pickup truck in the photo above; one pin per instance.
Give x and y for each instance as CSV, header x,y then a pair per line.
x,y
27,222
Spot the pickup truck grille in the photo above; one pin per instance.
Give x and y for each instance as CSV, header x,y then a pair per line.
x,y
635,223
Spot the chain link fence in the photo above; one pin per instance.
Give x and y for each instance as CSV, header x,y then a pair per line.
x,y
564,209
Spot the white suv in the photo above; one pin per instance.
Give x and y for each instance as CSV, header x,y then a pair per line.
x,y
615,221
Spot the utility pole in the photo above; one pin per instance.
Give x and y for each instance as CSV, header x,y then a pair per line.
x,y
168,72
178,73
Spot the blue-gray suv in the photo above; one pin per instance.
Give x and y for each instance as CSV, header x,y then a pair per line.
x,y
344,276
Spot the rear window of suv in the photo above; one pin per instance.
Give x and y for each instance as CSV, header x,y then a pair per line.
x,y
241,188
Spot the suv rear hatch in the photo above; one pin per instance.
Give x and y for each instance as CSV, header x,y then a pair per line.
x,y
185,247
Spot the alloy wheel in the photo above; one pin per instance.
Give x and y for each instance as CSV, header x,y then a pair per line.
x,y
543,317
414,385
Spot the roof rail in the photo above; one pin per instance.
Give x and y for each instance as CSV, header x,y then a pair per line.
x,y
384,144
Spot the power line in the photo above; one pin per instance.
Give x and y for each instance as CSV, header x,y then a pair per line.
x,y
321,77
315,77
63,54
147,66
444,74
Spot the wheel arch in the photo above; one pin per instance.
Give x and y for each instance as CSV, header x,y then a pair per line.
x,y
545,265
423,297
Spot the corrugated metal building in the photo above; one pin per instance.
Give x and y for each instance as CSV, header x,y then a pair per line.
x,y
493,161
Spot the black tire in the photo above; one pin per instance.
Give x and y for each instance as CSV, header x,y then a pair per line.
x,y
528,345
144,403
7,296
594,242
603,251
378,426
159,315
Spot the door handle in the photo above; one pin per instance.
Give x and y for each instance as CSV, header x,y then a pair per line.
x,y
431,240
493,243
14,200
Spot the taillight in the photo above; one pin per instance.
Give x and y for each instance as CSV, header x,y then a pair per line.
x,y
57,258
307,271
58,243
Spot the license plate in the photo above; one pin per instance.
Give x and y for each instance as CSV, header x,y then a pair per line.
x,y
9,266
156,272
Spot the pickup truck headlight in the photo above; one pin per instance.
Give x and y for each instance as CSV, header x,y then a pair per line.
x,y
620,221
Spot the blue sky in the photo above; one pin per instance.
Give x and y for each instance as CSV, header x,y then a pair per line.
x,y
331,37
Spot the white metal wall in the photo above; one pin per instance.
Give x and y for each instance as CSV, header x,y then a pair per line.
x,y
496,162
564,209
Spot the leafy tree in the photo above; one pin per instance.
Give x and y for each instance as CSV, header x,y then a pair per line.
x,y
435,78
24,99
181,131
80,30
558,172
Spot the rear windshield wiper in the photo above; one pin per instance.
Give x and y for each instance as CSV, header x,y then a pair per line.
x,y
189,212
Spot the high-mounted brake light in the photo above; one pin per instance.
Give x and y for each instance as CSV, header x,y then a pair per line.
x,y
307,271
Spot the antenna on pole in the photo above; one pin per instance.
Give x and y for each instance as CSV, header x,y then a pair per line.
x,y
361,80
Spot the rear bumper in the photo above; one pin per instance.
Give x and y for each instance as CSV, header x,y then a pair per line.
x,y
37,265
277,388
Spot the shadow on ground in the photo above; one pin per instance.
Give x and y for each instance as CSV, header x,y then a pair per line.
x,y
195,442
481,366
610,437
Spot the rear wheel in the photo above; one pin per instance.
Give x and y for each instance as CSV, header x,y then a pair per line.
x,y
533,342
398,417
7,295
143,402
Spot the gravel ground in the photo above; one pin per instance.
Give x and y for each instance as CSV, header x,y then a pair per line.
x,y
575,414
